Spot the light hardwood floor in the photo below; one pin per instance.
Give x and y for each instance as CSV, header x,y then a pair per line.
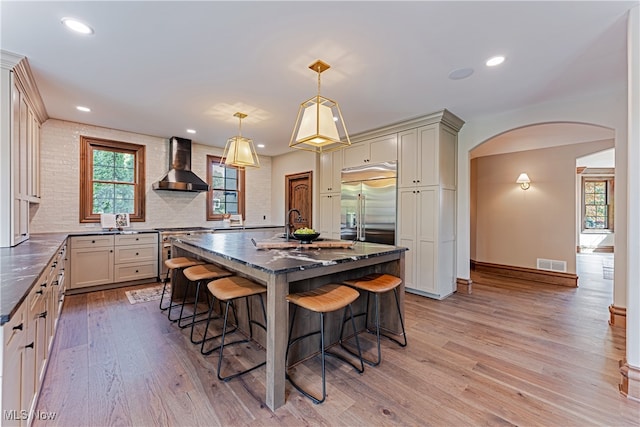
x,y
511,353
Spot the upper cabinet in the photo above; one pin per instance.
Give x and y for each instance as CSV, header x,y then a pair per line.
x,y
330,169
21,114
427,156
376,150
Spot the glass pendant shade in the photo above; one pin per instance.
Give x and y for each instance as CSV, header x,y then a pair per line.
x,y
316,127
240,151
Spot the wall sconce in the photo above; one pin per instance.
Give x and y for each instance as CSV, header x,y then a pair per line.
x,y
316,129
524,181
239,150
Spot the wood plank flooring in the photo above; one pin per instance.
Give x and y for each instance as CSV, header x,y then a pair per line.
x,y
511,353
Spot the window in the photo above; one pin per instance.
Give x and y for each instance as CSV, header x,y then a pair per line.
x,y
111,179
226,189
597,198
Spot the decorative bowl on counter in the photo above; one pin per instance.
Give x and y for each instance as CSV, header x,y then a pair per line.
x,y
305,237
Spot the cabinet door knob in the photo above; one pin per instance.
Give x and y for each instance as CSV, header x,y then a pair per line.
x,y
137,239
43,285
93,241
39,292
18,327
43,315
110,250
137,254
29,345
136,271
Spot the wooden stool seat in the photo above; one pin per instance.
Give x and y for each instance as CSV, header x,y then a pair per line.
x,y
229,289
325,299
196,274
174,264
181,262
378,283
234,287
204,272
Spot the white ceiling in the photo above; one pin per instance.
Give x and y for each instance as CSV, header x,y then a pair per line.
x,y
159,68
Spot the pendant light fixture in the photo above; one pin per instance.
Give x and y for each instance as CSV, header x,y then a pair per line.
x,y
316,127
240,151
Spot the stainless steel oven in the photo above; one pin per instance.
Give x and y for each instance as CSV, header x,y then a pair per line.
x,y
164,244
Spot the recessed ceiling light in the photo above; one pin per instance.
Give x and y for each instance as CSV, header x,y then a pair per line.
x,y
260,145
460,73
84,109
77,26
496,60
191,131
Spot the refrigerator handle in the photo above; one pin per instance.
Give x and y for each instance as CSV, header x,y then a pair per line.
x,y
362,213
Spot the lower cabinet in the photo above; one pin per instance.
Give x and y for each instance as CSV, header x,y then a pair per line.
x,y
27,340
106,259
426,226
329,219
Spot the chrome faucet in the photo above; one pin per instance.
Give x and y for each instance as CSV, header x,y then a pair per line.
x,y
288,224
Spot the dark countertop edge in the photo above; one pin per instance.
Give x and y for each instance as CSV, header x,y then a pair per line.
x,y
4,318
392,250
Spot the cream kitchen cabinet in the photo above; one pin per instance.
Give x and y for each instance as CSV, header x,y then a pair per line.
x,y
329,218
427,156
136,257
426,219
330,171
27,341
92,261
15,348
107,259
21,113
376,150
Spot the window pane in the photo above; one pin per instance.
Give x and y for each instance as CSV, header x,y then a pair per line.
x,y
601,211
230,184
590,211
103,173
588,187
103,198
589,199
103,158
600,199
599,187
124,206
123,175
123,191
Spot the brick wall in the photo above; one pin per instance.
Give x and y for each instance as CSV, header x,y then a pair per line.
x,y
60,186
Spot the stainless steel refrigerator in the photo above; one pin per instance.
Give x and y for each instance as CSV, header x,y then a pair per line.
x,y
368,203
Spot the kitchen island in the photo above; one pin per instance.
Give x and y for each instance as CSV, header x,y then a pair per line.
x,y
298,269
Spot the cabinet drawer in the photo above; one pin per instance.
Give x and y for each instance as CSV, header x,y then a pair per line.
x,y
126,272
81,242
136,239
15,330
136,254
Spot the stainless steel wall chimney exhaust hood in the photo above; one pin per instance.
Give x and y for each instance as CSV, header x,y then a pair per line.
x,y
180,177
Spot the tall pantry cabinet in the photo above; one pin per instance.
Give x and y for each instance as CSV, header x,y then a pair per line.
x,y
427,207
21,114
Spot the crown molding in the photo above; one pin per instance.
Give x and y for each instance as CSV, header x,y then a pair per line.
x,y
443,116
24,78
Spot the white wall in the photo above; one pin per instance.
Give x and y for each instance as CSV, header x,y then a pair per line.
x,y
296,161
60,185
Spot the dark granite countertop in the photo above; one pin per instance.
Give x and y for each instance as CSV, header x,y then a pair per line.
x,y
239,248
20,267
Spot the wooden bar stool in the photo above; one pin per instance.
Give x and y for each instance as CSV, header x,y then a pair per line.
x,y
173,266
229,289
376,284
197,274
325,299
